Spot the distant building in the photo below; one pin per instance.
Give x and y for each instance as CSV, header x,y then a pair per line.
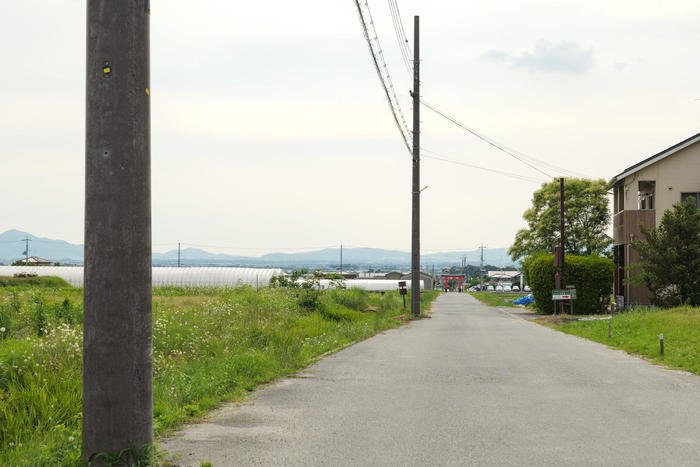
x,y
641,194
395,275
504,276
35,261
425,277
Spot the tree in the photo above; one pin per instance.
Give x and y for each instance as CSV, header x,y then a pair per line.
x,y
671,256
586,219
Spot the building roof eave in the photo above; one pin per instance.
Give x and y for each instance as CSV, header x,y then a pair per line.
x,y
655,158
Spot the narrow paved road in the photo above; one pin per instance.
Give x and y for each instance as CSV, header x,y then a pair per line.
x,y
470,386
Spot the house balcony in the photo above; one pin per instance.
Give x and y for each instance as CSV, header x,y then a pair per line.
x,y
626,224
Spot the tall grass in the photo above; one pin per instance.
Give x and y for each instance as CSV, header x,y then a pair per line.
x,y
210,345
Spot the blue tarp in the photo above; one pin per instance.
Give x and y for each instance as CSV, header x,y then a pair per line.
x,y
526,300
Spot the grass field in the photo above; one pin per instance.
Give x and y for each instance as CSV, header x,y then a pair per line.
x,y
210,345
637,332
497,298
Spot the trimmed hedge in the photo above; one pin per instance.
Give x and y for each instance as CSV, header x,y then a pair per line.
x,y
592,276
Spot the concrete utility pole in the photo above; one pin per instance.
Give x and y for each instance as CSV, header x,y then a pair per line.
x,y
178,254
26,251
561,238
415,231
481,269
341,257
117,349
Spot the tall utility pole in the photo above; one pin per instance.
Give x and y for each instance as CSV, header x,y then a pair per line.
x,y
341,257
561,238
26,251
481,269
178,254
415,214
117,335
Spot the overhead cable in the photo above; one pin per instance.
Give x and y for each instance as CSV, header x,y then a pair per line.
x,y
483,138
375,50
440,157
530,161
401,36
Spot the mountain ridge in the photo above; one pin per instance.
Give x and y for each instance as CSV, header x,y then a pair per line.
x,y
12,246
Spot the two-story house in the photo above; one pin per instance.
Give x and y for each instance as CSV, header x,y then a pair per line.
x,y
641,194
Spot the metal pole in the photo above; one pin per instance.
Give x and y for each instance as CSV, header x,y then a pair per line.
x,y
561,237
415,231
117,348
341,257
26,251
178,254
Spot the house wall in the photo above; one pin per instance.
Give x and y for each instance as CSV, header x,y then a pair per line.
x,y
677,173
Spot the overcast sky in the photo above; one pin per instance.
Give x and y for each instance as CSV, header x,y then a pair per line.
x,y
270,129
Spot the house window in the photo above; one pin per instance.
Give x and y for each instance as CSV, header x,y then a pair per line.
x,y
647,190
695,195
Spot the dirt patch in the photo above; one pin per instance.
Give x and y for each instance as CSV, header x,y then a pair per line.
x,y
554,319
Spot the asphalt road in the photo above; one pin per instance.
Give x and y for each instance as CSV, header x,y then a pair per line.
x,y
473,385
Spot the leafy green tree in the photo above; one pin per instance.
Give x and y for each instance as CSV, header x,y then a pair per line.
x,y
671,255
586,219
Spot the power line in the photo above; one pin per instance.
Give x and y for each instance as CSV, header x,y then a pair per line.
x,y
442,158
520,156
401,36
372,40
483,138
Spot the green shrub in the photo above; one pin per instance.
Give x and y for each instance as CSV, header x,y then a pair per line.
x,y
591,275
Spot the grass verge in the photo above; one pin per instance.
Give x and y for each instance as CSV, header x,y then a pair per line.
x,y
497,298
210,346
637,332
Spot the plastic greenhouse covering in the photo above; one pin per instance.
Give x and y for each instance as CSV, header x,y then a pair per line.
x,y
220,277
375,285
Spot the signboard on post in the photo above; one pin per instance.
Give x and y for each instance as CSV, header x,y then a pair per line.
x,y
403,292
562,294
402,288
565,294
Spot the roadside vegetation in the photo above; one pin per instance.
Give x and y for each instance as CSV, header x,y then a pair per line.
x,y
498,298
637,332
211,345
35,281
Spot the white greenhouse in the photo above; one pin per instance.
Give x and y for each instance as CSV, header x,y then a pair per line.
x,y
216,277
374,285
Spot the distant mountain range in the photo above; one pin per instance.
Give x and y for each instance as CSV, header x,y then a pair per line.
x,y
12,247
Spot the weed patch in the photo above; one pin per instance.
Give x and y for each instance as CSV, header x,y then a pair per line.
x,y
209,346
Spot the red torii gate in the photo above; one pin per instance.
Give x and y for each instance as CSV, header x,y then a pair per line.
x,y
453,277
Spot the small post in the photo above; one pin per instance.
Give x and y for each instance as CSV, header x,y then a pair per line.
x,y
661,343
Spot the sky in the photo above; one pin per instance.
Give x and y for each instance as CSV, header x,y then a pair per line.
x,y
271,132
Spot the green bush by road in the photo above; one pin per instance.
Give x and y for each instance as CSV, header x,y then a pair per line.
x,y
592,276
210,346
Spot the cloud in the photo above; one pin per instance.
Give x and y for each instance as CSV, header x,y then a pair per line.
x,y
620,66
495,56
564,57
